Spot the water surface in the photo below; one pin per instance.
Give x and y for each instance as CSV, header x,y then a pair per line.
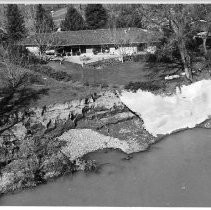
x,y
175,172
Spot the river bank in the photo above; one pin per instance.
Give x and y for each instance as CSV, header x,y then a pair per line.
x,y
174,172
75,129
67,132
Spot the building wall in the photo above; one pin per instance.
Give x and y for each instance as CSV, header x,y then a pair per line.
x,y
34,50
120,51
89,50
127,50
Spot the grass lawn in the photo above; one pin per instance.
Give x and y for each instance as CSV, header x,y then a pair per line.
x,y
118,74
57,91
87,80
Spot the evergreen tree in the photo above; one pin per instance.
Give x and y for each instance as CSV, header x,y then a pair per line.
x,y
73,21
43,21
96,16
129,17
15,23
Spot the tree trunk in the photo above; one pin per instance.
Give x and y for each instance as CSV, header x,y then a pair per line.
x,y
204,46
185,60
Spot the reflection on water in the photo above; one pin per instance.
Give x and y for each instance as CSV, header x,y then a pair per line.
x,y
176,172
165,114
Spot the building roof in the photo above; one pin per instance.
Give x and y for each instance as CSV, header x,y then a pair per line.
x,y
92,37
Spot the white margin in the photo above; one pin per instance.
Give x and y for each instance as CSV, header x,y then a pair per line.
x,y
105,1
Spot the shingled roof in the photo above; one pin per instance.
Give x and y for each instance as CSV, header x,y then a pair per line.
x,y
93,37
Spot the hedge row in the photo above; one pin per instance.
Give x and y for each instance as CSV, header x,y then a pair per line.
x,y
146,86
50,72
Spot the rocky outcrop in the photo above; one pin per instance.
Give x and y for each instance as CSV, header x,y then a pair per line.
x,y
66,132
54,139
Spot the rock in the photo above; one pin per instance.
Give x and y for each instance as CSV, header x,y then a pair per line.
x,y
20,131
128,157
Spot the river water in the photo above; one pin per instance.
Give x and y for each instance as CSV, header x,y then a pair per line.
x,y
175,172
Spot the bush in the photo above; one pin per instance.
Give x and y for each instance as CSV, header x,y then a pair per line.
x,y
104,85
167,52
19,55
86,84
151,58
35,79
103,63
146,86
50,72
139,57
208,56
60,76
127,58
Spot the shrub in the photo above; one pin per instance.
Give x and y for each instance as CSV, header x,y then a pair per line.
x,y
146,86
96,84
21,56
86,84
127,58
137,58
104,85
103,63
151,58
208,57
50,72
60,76
35,79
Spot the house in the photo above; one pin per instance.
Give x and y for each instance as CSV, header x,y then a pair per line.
x,y
100,43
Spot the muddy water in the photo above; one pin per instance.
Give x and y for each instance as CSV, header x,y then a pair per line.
x,y
175,172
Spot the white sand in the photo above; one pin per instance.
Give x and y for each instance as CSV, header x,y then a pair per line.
x,y
163,115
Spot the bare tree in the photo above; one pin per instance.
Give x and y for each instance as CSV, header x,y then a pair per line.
x,y
16,94
202,22
178,17
46,41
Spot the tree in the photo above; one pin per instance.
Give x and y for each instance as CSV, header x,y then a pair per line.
x,y
178,18
3,37
44,28
16,95
129,17
2,16
43,21
202,22
96,16
29,14
73,20
46,41
15,23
